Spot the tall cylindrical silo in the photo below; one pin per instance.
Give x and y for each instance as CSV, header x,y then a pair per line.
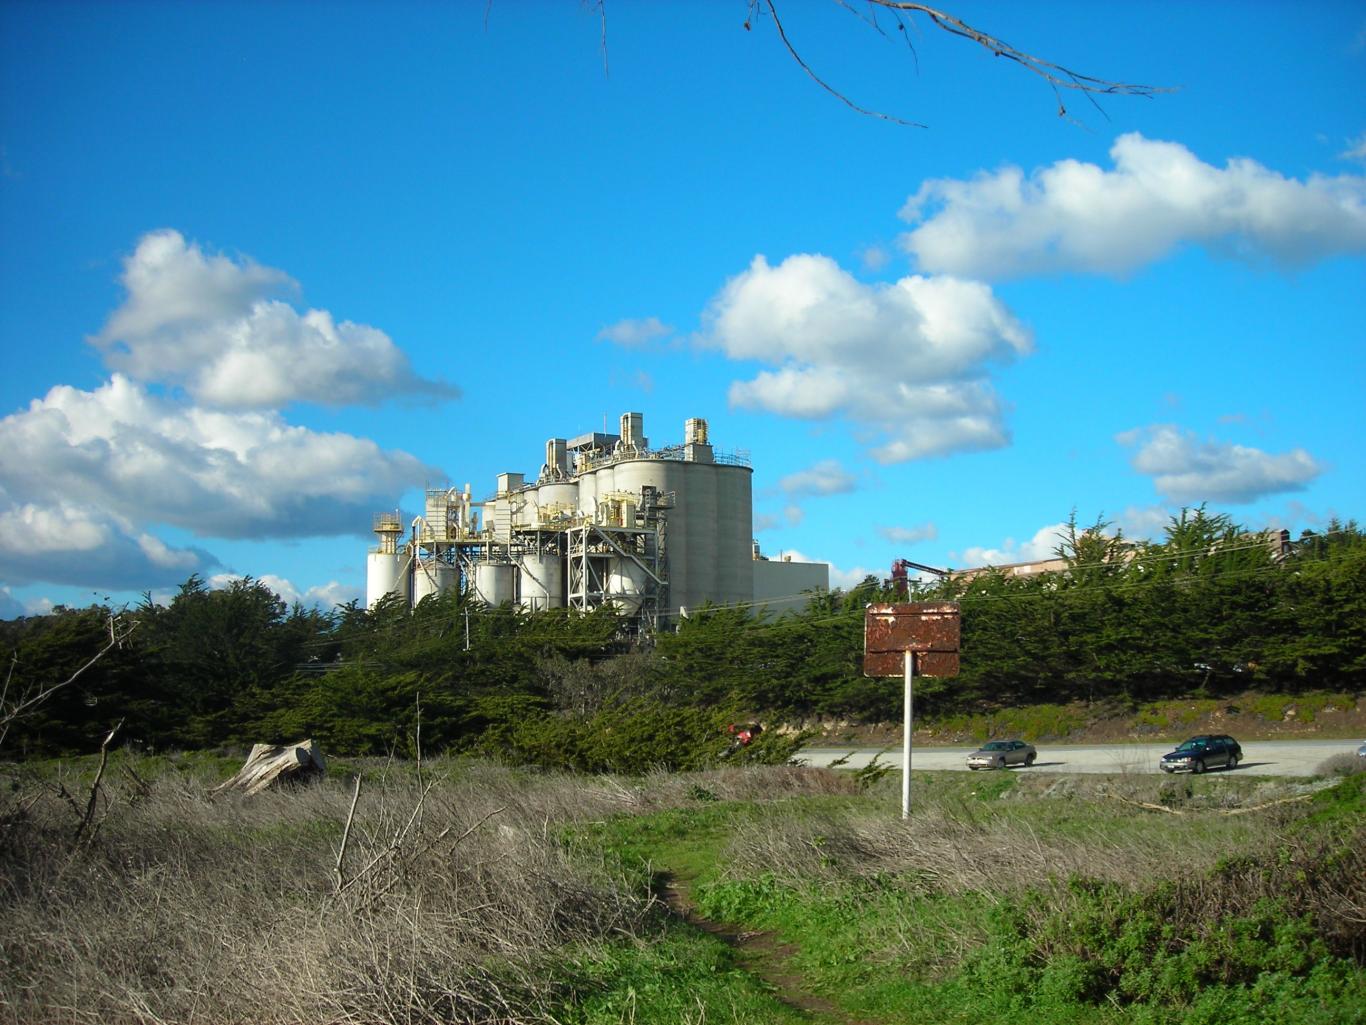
x,y
542,575
385,573
554,498
591,484
708,530
661,474
431,576
494,582
734,533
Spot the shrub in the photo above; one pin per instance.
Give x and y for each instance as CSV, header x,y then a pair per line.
x,y
1343,764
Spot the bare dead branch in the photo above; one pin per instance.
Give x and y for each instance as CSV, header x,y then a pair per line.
x,y
90,805
601,5
869,19
1056,75
346,836
394,846
456,842
1226,811
1269,804
61,791
1148,805
792,51
27,704
142,788
4,692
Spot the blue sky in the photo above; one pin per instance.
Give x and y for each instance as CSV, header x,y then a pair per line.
x,y
267,268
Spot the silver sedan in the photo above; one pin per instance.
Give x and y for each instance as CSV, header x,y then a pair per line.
x,y
997,754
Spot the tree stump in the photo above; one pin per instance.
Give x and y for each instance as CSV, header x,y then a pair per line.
x,y
270,764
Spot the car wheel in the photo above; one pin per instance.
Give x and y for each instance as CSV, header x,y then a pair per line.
x,y
1199,766
1029,758
1000,763
1233,761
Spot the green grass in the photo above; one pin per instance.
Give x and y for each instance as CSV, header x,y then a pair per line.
x,y
1273,707
899,946
1179,714
685,976
1175,714
1030,722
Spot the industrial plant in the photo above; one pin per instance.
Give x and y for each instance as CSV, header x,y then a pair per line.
x,y
653,532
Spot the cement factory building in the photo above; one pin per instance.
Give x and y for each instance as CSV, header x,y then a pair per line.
x,y
655,532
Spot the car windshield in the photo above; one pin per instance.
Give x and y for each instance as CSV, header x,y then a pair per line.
x,y
1192,745
996,745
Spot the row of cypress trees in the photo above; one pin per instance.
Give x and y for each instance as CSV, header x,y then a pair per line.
x,y
1209,609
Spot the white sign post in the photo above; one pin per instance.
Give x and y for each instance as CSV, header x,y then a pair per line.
x,y
907,722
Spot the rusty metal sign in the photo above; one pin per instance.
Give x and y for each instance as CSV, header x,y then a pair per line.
x,y
930,630
927,663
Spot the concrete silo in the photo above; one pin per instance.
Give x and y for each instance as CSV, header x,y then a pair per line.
x,y
388,566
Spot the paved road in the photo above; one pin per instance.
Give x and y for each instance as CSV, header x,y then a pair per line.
x,y
1260,757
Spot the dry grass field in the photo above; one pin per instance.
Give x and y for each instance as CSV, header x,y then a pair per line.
x,y
452,897
461,891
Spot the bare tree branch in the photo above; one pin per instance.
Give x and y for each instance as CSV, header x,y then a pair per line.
x,y
792,50
1056,75
1226,811
29,702
346,836
90,806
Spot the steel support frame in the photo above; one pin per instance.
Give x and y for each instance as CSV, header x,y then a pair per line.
x,y
587,549
592,547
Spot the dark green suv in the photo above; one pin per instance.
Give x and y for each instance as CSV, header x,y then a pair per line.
x,y
1204,752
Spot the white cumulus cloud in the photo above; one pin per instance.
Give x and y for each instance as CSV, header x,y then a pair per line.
x,y
908,359
827,477
1043,545
1077,216
326,596
219,328
634,334
909,535
323,597
10,606
1185,469
65,542
848,579
130,454
88,477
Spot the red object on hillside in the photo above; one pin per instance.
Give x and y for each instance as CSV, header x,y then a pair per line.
x,y
744,732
